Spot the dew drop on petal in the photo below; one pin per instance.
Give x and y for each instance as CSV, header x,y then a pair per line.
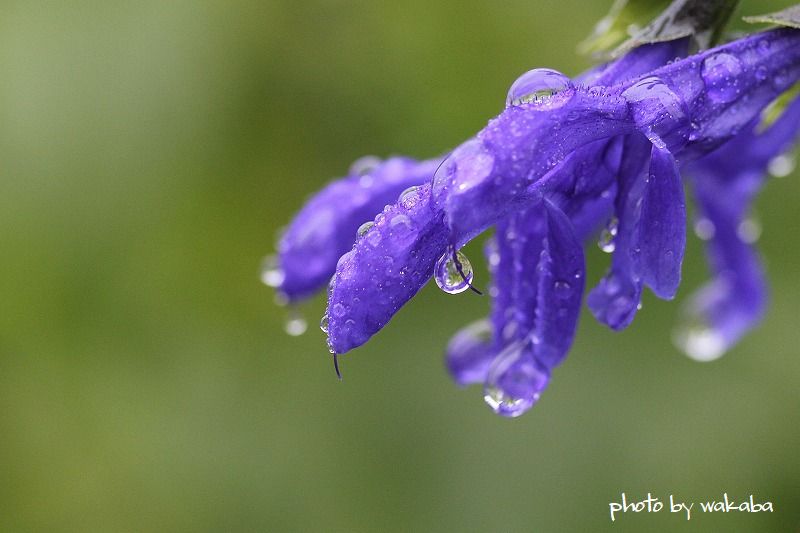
x,y
323,323
295,324
407,195
539,86
720,73
608,236
659,113
271,273
782,165
364,228
447,276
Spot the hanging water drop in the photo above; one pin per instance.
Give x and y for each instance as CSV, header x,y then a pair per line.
x,y
698,340
782,165
408,194
608,236
295,324
453,272
749,230
539,86
364,228
515,381
323,323
271,273
365,165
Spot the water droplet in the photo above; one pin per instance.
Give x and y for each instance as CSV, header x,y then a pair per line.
x,y
782,165
782,79
338,310
295,324
271,273
704,228
608,236
374,238
699,341
323,323
540,86
761,73
408,195
515,380
365,165
749,230
659,113
719,73
447,276
467,167
364,228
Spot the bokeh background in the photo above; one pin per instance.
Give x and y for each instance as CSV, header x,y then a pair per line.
x,y
149,153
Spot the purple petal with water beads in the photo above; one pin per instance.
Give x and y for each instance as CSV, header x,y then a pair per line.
x,y
497,174
545,292
385,268
616,298
560,274
662,234
326,227
725,182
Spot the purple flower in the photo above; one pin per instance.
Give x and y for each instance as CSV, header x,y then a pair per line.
x,y
562,160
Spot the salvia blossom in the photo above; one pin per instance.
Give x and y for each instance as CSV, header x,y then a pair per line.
x,y
609,151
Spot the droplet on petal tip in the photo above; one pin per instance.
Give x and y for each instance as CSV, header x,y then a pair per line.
x,y
271,273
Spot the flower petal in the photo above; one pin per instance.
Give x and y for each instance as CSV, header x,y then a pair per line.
x,y
662,236
616,298
385,268
326,226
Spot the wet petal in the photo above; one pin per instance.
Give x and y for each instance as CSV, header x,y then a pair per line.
x,y
560,274
515,380
326,227
616,298
662,236
385,268
725,182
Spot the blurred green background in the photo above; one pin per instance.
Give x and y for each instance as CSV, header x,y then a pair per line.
x,y
149,152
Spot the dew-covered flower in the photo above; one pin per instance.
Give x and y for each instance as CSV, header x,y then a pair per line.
x,y
607,152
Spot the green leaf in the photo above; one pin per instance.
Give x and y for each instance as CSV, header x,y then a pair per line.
x,y
788,17
621,31
625,18
776,108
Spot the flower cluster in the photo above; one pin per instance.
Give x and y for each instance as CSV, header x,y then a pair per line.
x,y
609,151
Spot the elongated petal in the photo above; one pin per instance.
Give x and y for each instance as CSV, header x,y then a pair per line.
x,y
561,274
616,298
385,268
725,181
662,236
326,227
